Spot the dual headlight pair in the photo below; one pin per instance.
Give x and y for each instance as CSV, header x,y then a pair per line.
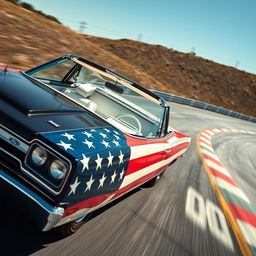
x,y
56,167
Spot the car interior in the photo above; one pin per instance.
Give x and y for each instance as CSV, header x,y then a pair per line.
x,y
120,106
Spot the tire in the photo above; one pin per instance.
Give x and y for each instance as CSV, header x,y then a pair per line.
x,y
153,181
71,227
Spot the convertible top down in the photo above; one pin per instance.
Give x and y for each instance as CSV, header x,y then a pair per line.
x,y
76,136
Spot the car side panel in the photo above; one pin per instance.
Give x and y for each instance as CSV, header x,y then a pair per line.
x,y
147,159
153,157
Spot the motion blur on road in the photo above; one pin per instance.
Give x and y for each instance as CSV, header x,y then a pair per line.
x,y
181,214
159,220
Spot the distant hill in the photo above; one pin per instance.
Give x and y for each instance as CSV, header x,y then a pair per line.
x,y
28,39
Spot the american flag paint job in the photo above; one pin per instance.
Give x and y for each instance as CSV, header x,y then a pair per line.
x,y
104,173
102,158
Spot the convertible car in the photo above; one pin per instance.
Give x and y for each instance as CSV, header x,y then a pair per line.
x,y
74,136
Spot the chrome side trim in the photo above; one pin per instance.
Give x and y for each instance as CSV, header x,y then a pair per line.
x,y
55,213
13,140
53,218
84,211
16,134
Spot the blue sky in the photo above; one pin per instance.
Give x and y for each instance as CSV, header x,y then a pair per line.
x,y
223,31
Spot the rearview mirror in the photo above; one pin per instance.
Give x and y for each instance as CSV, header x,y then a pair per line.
x,y
114,87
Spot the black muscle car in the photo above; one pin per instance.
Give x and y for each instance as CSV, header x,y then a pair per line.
x,y
76,136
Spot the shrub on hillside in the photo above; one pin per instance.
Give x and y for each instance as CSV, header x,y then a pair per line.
x,y
31,8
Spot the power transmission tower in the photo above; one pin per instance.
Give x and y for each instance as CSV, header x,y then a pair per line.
x,y
82,26
192,52
140,37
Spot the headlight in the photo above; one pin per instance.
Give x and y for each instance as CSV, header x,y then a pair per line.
x,y
38,156
58,169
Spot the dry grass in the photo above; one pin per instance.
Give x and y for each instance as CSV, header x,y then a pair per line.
x,y
28,39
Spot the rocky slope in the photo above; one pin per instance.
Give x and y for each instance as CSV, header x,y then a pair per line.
x,y
28,39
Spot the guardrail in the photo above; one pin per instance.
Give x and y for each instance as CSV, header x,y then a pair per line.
x,y
203,105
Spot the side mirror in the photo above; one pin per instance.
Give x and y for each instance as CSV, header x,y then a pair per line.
x,y
169,129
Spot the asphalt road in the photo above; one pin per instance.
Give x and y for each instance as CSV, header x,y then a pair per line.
x,y
169,219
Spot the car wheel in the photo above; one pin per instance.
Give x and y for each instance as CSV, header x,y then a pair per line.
x,y
72,226
153,181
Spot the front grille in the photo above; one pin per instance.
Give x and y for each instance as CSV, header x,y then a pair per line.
x,y
15,156
10,156
9,162
13,151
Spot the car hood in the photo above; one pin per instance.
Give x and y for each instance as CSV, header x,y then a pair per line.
x,y
29,107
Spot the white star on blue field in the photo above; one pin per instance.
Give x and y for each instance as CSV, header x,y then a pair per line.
x,y
101,158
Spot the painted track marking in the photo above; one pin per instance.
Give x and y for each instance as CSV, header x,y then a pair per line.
x,y
201,212
230,196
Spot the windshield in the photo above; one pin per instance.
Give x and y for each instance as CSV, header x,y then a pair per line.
x,y
108,95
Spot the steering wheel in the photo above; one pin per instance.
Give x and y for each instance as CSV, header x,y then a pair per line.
x,y
130,116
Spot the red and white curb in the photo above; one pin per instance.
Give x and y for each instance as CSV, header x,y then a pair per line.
x,y
236,206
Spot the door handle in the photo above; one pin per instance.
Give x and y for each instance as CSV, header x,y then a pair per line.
x,y
167,151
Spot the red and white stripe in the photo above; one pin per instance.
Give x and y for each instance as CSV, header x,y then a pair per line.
x,y
146,161
246,221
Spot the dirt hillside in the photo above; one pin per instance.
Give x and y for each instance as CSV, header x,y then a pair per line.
x,y
28,39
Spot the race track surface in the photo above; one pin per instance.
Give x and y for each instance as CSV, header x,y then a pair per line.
x,y
176,217
238,153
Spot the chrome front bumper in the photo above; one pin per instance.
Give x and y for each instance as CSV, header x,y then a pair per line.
x,y
45,215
